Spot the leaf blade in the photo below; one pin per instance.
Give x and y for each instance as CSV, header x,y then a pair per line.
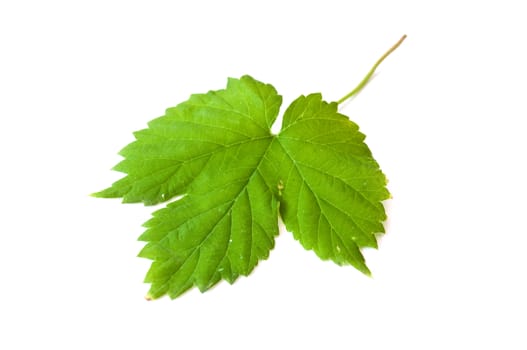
x,y
235,177
217,229
333,179
167,156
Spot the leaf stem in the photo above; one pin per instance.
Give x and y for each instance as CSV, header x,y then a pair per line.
x,y
364,81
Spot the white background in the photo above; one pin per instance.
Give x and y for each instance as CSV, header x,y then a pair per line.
x,y
445,118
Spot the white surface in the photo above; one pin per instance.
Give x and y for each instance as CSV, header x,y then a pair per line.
x,y
445,117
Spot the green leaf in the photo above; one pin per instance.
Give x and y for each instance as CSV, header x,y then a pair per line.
x,y
235,176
